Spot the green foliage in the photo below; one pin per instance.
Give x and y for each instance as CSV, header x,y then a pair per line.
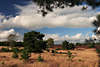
x,y
64,45
67,45
40,59
25,54
33,41
53,51
78,44
50,42
15,55
58,48
71,46
12,40
98,50
15,52
91,45
70,56
48,5
5,50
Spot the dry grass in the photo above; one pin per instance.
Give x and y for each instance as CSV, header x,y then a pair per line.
x,y
83,58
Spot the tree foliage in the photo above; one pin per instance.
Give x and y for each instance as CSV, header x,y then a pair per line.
x,y
67,45
49,5
50,42
12,38
33,41
96,23
64,44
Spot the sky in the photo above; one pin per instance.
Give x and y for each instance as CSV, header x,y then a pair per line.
x,y
71,24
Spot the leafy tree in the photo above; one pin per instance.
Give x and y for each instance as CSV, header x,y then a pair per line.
x,y
96,23
67,45
49,5
33,41
71,46
50,42
12,38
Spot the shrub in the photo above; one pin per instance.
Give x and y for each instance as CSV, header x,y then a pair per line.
x,y
71,46
15,52
92,45
25,55
40,59
58,48
98,50
53,51
15,55
70,56
5,50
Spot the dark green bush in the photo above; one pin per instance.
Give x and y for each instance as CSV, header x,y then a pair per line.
x,y
53,51
58,48
92,45
40,59
70,56
68,46
25,54
15,50
15,55
5,50
98,50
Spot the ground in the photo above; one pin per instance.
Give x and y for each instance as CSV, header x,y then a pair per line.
x,y
82,58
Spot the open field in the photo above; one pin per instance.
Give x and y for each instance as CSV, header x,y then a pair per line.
x,y
82,58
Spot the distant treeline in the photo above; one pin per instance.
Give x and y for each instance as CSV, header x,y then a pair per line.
x,y
18,44
80,44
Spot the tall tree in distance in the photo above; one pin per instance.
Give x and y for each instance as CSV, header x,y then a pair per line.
x,y
12,38
50,42
65,44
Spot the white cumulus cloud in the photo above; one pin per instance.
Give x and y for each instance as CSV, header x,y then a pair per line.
x,y
68,17
5,33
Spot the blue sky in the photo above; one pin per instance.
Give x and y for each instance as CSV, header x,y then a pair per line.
x,y
8,9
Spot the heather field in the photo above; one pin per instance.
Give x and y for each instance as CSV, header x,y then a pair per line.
x,y
83,57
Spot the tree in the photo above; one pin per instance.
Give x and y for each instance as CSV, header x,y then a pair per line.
x,y
49,5
33,41
67,45
50,42
96,23
12,38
